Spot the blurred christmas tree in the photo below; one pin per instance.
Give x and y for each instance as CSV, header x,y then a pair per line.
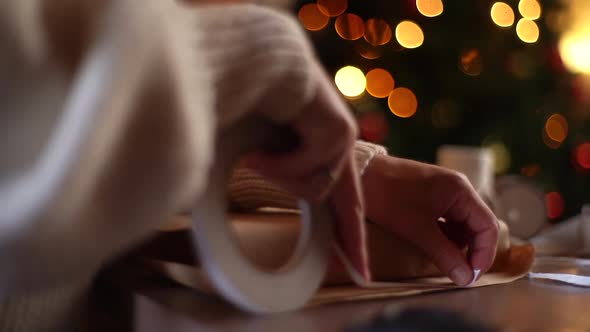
x,y
480,73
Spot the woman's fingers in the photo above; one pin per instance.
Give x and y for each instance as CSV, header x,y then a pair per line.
x,y
468,208
346,202
322,166
445,254
327,134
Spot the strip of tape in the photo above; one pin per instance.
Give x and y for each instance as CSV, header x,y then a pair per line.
x,y
571,279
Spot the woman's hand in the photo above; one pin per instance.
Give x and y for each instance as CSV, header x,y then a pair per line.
x,y
408,198
322,166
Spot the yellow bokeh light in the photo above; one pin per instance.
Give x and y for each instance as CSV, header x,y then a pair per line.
x,y
350,26
502,14
332,8
556,128
574,50
527,30
377,32
312,18
379,83
402,102
350,81
502,158
574,45
409,34
529,9
430,8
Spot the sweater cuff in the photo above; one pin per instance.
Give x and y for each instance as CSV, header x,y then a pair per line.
x,y
249,191
364,152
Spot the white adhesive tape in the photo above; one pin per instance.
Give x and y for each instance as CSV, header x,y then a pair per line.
x,y
567,278
238,280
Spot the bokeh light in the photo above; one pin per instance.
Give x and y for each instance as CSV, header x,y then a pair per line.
x,y
379,83
409,34
527,30
471,62
529,9
502,14
502,158
554,204
373,127
574,45
377,32
350,81
402,102
556,128
582,155
430,8
367,50
574,49
332,8
530,170
350,26
549,142
312,18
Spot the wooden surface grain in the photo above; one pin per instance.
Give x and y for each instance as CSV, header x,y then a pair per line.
x,y
524,305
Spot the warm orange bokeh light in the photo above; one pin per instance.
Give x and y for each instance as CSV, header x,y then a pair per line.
x,y
530,9
332,8
502,14
430,8
527,30
377,32
367,50
471,62
350,26
402,102
583,155
409,34
312,18
379,83
556,128
555,205
549,142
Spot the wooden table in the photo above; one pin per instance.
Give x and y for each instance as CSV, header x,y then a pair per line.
x,y
525,305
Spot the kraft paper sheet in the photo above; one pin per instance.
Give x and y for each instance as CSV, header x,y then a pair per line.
x,y
269,238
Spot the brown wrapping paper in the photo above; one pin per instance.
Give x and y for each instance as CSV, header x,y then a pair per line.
x,y
268,239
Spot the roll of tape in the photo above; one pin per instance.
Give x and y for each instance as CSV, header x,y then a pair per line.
x,y
476,163
521,204
238,280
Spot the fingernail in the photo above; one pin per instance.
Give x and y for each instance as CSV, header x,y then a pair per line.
x,y
475,276
461,275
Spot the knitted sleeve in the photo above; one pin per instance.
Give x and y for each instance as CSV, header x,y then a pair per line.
x,y
250,191
177,72
260,60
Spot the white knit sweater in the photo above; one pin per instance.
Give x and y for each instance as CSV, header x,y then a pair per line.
x,y
107,125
